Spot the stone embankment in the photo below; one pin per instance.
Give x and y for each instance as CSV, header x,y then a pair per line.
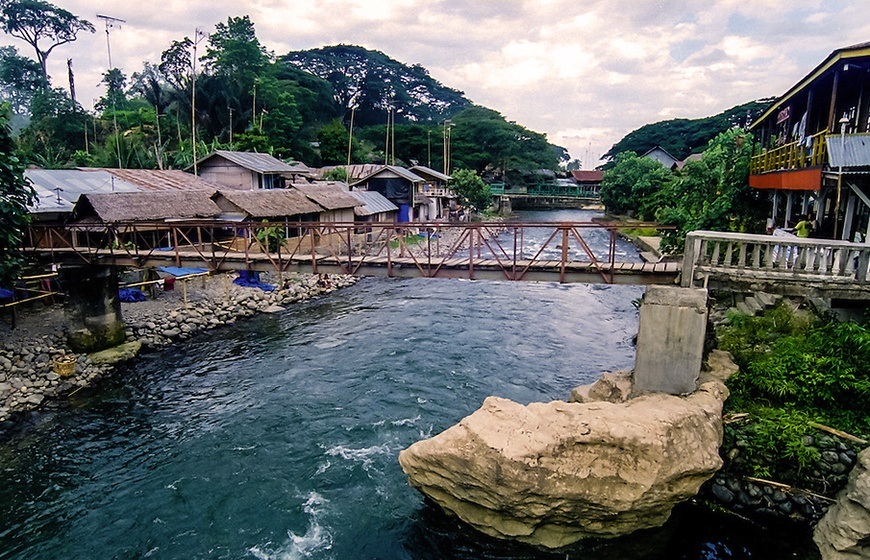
x,y
844,532
28,353
767,500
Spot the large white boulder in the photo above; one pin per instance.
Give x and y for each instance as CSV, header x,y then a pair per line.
x,y
550,474
844,532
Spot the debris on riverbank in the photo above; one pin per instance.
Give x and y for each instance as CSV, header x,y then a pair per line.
x,y
29,353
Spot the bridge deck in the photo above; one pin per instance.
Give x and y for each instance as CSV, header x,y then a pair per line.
x,y
392,266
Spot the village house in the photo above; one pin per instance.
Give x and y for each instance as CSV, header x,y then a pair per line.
x,y
249,170
433,197
815,148
589,181
396,184
662,156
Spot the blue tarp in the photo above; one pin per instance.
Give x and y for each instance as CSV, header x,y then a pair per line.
x,y
181,272
251,279
6,294
130,294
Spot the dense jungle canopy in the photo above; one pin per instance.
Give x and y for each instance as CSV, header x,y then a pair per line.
x,y
299,106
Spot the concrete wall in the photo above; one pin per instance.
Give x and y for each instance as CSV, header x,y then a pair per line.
x,y
670,340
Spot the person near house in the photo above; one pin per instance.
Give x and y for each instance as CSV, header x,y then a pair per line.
x,y
803,227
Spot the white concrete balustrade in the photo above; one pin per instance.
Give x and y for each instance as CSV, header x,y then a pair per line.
x,y
739,256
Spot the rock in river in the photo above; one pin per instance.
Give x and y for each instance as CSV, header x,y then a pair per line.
x,y
844,532
550,474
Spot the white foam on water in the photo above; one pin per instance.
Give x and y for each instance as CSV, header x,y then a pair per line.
x,y
298,547
364,455
406,421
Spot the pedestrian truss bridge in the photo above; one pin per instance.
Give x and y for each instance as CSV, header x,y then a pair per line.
x,y
512,251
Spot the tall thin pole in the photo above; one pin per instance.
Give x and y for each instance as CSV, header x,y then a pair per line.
x,y
387,139
197,37
350,134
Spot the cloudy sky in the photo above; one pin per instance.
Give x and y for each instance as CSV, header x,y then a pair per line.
x,y
585,72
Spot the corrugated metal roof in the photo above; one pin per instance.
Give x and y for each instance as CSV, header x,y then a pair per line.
x,y
424,171
148,206
261,163
330,195
372,203
395,171
57,190
852,150
165,180
269,203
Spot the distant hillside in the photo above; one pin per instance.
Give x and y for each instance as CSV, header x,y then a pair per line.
x,y
372,82
683,137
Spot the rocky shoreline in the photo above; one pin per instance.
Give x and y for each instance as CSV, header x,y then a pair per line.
x,y
28,353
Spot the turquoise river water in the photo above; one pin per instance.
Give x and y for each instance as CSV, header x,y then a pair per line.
x,y
277,437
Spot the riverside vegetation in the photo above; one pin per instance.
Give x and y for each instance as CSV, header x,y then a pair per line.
x,y
802,378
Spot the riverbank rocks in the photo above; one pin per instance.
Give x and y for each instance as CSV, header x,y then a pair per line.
x,y
844,532
550,474
27,380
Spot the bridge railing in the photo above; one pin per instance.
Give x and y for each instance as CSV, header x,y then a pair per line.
x,y
513,248
773,258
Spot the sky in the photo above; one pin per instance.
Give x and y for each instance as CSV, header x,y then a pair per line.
x,y
584,72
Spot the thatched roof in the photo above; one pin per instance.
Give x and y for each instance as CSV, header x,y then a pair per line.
x,y
147,206
266,204
328,194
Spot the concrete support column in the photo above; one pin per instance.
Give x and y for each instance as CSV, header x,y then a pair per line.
x,y
670,341
93,310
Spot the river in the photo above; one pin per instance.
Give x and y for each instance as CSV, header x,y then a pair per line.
x,y
277,437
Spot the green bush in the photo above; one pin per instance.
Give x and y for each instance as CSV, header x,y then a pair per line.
x,y
794,369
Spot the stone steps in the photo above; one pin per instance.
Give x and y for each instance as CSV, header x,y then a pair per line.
x,y
754,304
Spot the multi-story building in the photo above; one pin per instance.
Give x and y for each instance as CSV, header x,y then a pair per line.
x,y
814,143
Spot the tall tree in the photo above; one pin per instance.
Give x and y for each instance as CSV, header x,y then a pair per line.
x,y
374,82
15,196
20,79
36,21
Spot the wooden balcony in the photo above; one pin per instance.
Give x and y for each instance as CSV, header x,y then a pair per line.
x,y
797,155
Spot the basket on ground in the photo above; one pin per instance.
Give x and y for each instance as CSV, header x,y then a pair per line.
x,y
65,366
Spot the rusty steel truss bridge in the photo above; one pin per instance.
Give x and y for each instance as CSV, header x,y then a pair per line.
x,y
511,251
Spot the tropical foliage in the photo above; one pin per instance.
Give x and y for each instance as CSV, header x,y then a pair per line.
x,y
15,196
712,193
471,189
683,137
795,368
235,94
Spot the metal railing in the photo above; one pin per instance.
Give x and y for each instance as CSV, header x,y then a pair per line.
x,y
508,250
740,256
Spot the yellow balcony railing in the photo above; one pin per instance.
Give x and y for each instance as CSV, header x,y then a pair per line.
x,y
812,152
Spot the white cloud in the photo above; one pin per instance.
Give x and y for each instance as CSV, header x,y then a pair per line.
x,y
586,73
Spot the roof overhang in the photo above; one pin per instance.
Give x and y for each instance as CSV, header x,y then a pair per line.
x,y
832,60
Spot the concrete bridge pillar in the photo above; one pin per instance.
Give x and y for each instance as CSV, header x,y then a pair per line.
x,y
93,310
670,340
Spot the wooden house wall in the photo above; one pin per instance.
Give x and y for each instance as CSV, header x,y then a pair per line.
x,y
226,173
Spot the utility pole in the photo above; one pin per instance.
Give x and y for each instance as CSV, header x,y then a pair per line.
x,y
198,35
350,135
111,22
